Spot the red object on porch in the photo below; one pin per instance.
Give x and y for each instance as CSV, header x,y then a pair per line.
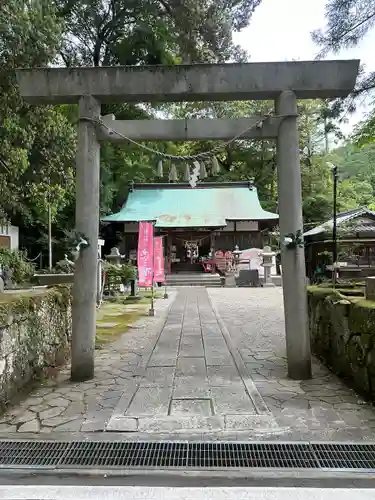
x,y
209,265
220,260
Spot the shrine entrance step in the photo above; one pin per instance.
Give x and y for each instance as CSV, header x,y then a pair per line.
x,y
194,279
187,267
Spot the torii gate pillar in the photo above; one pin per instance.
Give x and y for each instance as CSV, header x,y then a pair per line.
x,y
290,221
87,223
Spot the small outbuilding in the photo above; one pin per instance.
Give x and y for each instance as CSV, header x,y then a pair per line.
x,y
9,237
355,241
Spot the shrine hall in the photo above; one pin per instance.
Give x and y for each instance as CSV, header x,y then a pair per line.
x,y
201,225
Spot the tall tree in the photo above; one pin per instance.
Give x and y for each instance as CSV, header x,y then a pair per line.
x,y
364,132
151,31
139,32
348,21
37,143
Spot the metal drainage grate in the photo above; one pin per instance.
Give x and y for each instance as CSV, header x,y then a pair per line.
x,y
126,454
250,455
174,455
189,455
345,456
38,453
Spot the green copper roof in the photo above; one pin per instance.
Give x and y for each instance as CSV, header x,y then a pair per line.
x,y
172,205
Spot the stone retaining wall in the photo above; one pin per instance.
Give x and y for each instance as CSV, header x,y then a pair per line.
x,y
342,333
34,338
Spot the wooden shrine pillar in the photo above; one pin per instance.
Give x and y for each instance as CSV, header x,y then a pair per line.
x,y
213,249
168,253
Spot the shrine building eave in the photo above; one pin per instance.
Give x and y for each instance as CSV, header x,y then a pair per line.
x,y
208,205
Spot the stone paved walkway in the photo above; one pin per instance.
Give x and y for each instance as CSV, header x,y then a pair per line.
x,y
192,380
210,365
61,406
323,408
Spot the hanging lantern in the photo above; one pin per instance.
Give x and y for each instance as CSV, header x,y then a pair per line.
x,y
187,173
203,171
173,177
159,171
215,166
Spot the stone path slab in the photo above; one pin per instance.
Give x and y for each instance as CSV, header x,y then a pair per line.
x,y
192,379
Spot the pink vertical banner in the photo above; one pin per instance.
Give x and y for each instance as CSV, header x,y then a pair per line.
x,y
159,275
145,259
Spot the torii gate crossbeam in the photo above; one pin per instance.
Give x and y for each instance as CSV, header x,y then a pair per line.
x,y
284,82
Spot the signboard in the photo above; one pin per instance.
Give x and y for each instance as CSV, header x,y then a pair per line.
x,y
247,225
241,225
100,245
159,274
131,227
145,254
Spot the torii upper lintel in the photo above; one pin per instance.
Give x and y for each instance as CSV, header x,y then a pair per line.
x,y
199,82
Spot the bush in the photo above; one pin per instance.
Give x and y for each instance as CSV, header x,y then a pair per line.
x,y
119,274
15,260
63,267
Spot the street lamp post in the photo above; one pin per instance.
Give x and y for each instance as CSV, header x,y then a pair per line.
x,y
334,224
49,236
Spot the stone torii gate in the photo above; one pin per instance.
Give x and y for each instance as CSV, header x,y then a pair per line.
x,y
284,82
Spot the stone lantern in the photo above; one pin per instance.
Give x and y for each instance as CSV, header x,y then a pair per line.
x,y
236,259
236,254
267,256
115,257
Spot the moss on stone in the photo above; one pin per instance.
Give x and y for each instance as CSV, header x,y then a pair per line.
x,y
351,292
23,303
143,300
366,304
321,292
121,316
342,330
35,329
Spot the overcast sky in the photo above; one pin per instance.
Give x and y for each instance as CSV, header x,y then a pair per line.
x,y
280,31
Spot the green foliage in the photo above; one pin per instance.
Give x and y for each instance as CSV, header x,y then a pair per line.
x,y
37,143
245,159
61,267
64,267
348,21
22,271
356,186
137,32
364,133
119,274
